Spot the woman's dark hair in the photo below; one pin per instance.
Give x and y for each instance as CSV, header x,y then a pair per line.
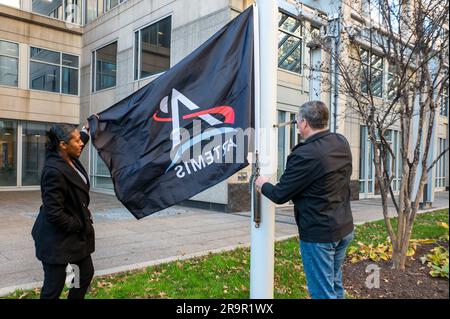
x,y
58,133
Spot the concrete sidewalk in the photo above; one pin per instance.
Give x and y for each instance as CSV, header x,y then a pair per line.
x,y
123,243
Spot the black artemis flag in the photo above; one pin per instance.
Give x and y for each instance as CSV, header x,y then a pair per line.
x,y
181,133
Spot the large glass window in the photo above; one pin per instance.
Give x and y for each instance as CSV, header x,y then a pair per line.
x,y
95,8
9,63
372,73
67,10
289,43
293,132
44,77
366,165
69,75
52,8
281,143
92,10
366,169
101,178
105,70
394,162
73,12
152,49
287,139
53,71
8,160
33,152
441,164
22,145
109,4
397,171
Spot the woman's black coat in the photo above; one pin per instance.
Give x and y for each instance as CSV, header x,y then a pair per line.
x,y
63,231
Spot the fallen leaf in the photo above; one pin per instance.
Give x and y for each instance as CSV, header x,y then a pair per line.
x,y
23,295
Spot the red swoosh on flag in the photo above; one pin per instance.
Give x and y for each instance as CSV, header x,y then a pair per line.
x,y
161,119
226,111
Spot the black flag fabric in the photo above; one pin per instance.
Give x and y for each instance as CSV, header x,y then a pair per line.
x,y
185,131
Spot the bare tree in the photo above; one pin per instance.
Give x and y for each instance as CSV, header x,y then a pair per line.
x,y
412,37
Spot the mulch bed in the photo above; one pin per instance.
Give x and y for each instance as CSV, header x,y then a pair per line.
x,y
413,283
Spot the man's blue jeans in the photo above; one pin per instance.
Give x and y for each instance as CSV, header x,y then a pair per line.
x,y
322,263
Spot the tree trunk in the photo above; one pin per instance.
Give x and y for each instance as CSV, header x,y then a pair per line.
x,y
400,250
397,260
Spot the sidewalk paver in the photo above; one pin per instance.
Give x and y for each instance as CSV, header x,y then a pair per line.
x,y
123,243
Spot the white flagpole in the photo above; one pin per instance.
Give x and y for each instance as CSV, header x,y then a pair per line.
x,y
263,235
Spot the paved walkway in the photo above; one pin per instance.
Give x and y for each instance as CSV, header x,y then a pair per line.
x,y
123,243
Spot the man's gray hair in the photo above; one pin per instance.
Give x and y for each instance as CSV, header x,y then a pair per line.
x,y
315,113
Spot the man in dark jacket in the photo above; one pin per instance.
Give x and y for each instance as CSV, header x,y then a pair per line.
x,y
63,231
317,180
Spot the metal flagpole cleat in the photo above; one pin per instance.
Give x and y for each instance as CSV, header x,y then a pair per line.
x,y
255,194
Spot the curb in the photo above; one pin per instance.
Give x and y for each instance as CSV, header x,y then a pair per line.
x,y
418,212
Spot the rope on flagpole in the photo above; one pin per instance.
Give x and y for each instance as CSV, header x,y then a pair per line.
x,y
256,208
256,196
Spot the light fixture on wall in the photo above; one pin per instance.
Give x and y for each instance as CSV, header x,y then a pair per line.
x,y
313,45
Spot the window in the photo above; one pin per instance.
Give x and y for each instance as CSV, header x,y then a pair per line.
x,y
9,63
69,74
394,163
386,13
372,73
444,100
293,132
367,182
152,49
441,164
372,9
52,9
92,10
73,12
22,145
33,152
287,139
392,82
53,71
8,159
66,10
104,63
109,4
281,143
95,8
398,163
289,43
101,178
366,169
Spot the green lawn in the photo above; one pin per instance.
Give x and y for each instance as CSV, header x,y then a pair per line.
x,y
425,226
226,275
